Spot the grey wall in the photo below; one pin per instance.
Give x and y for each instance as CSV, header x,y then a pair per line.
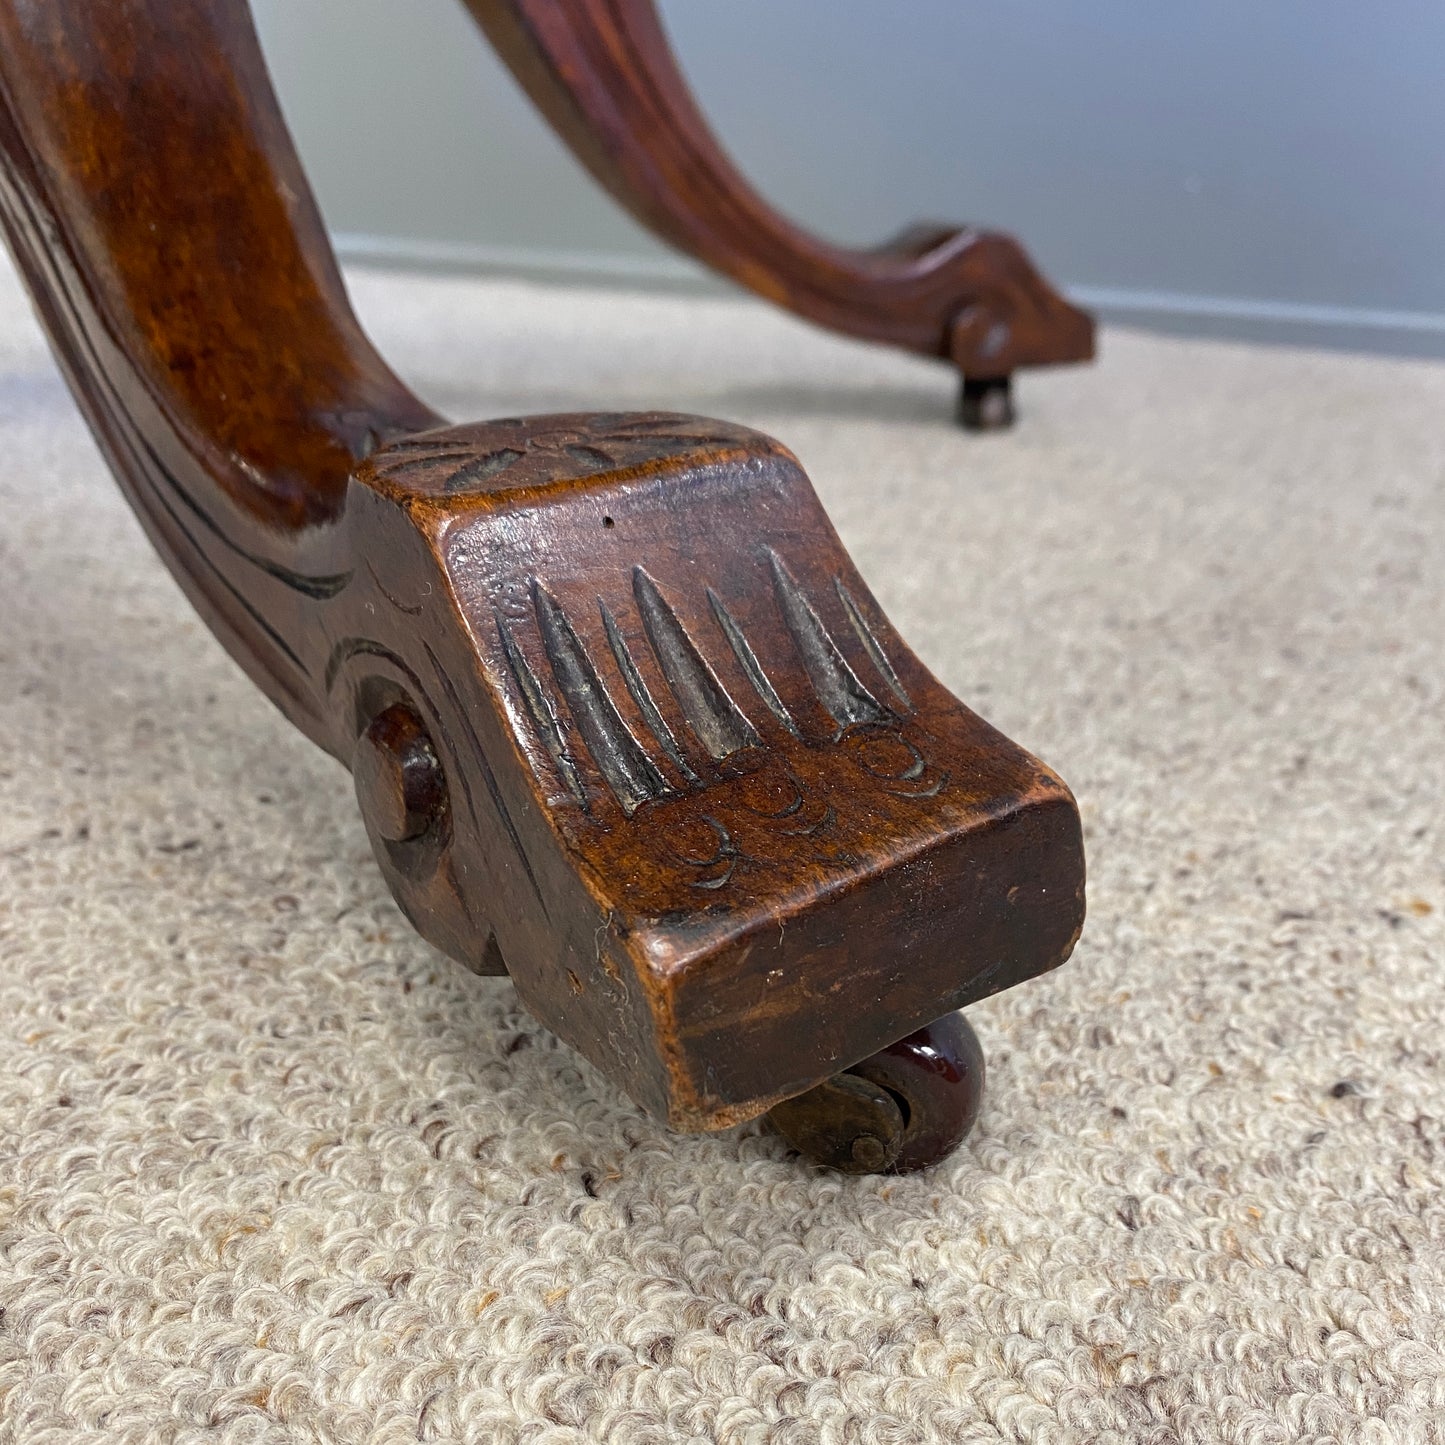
x,y
1210,165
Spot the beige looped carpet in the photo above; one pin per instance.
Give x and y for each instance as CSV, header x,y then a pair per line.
x,y
270,1170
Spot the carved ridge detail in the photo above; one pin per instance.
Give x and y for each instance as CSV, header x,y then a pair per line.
x,y
836,684
713,716
871,644
583,712
748,661
630,773
642,696
518,451
544,720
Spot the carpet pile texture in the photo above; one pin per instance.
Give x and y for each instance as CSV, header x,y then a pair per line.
x,y
271,1170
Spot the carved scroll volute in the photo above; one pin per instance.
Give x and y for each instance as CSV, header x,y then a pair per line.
x,y
712,807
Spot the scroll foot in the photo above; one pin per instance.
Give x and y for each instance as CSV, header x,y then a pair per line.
x,y
625,721
902,1109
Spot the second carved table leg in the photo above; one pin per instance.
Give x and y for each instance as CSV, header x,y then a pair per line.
x,y
603,74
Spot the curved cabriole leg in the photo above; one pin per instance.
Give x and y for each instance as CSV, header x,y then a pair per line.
x,y
706,817
899,1110
603,74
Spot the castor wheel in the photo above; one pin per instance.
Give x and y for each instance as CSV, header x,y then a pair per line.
x,y
903,1108
986,403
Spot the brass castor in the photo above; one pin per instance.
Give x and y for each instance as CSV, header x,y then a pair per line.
x,y
901,1109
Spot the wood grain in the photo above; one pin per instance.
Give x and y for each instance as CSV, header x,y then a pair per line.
x,y
624,719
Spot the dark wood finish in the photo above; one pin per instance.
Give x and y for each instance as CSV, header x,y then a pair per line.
x,y
398,776
624,720
603,74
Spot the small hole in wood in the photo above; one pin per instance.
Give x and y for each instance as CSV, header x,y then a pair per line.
x,y
608,522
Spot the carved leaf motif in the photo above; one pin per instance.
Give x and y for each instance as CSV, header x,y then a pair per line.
x,y
482,467
760,811
582,447
836,684
713,716
630,773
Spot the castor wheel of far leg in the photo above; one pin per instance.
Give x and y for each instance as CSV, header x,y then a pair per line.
x,y
904,1108
986,403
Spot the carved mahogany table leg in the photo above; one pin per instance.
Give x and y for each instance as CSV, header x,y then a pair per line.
x,y
604,75
624,721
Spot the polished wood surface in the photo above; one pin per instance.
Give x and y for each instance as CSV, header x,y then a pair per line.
x,y
603,74
623,718
157,209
